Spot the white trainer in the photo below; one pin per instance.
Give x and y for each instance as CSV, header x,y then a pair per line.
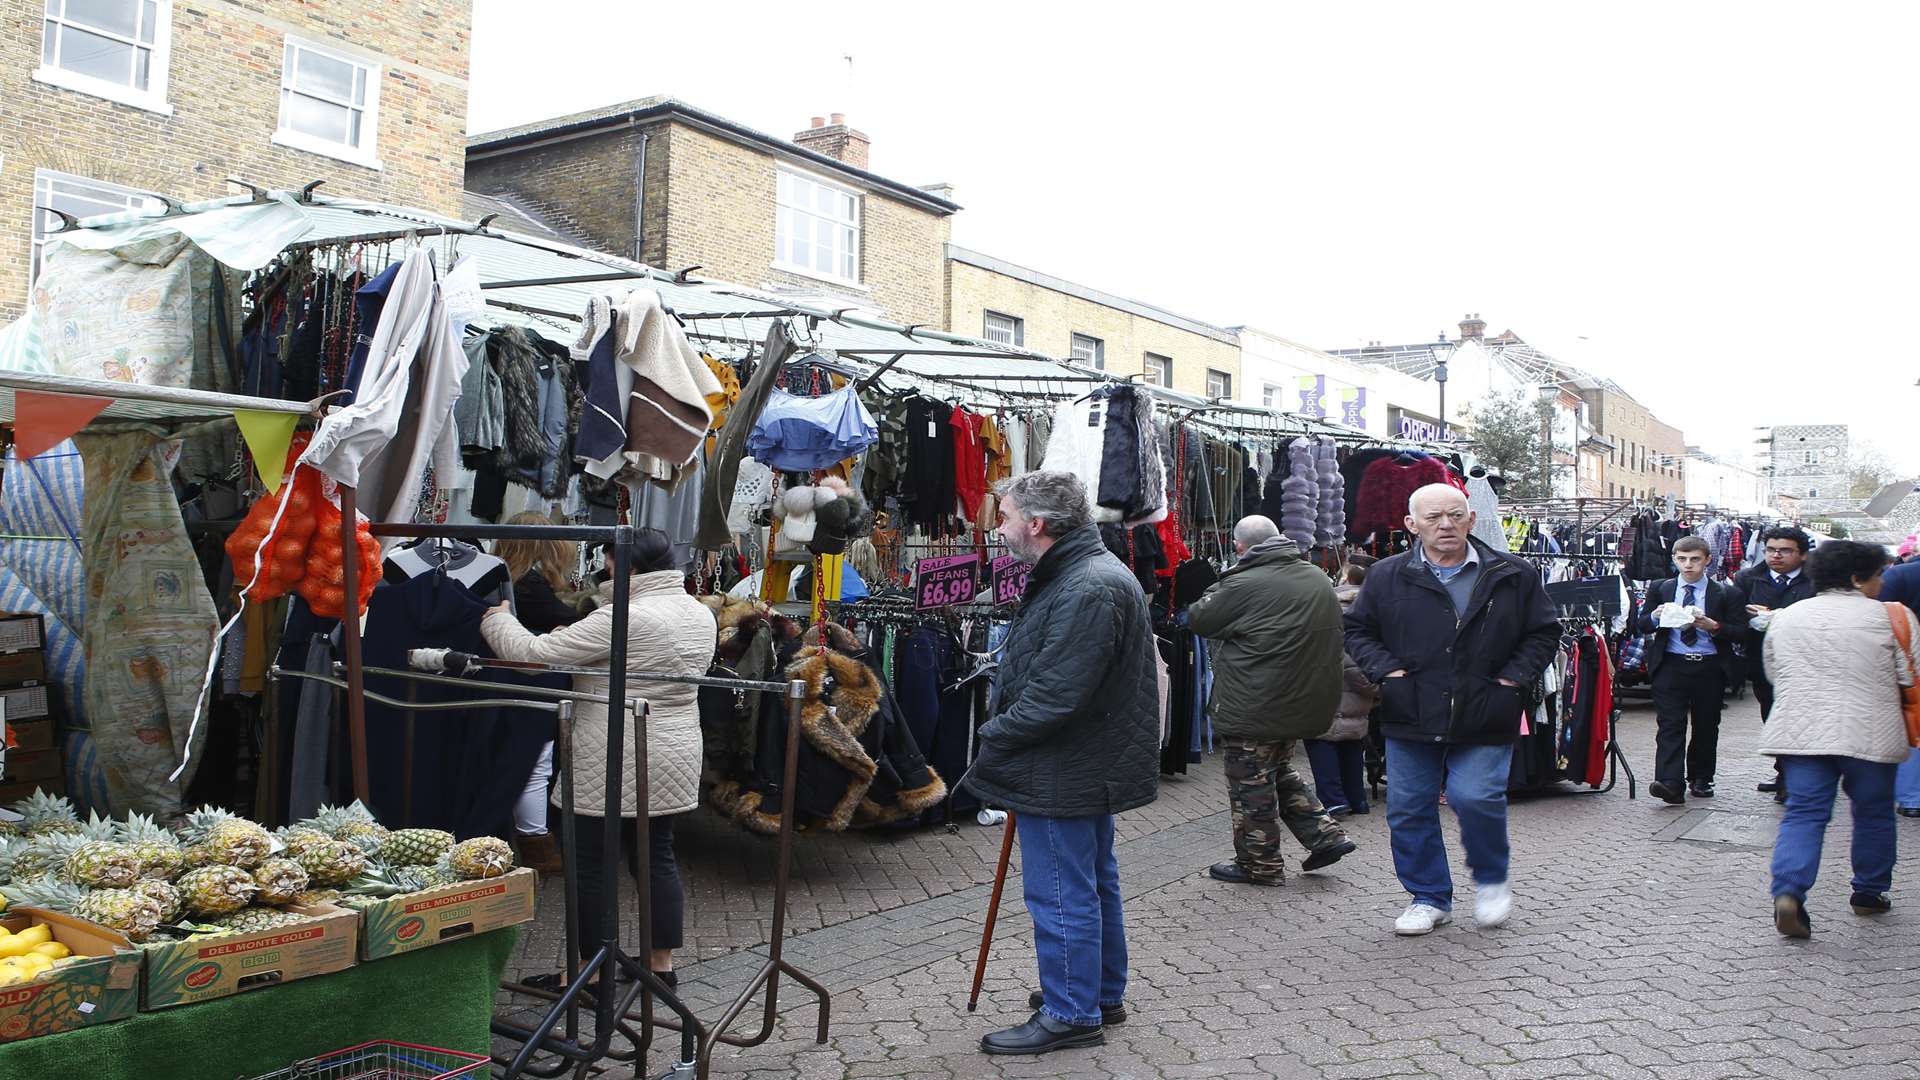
x,y
1420,919
1492,904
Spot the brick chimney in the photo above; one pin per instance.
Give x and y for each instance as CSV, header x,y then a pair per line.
x,y
1473,328
836,140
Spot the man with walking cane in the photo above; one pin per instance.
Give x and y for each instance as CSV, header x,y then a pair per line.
x,y
1074,740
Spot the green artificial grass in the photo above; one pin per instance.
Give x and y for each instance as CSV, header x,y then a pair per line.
x,y
440,997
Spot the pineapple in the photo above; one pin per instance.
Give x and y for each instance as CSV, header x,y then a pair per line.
x,y
8,828
158,850
229,840
94,858
164,893
334,862
216,890
30,860
480,857
281,881
123,910
250,919
298,838
313,897
351,822
41,813
416,847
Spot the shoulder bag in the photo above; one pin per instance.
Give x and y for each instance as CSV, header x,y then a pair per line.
x,y
1909,695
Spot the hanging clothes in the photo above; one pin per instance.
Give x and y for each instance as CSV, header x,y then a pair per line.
x,y
802,434
723,462
150,621
929,492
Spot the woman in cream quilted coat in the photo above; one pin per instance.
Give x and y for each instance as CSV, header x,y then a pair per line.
x,y
668,632
1836,668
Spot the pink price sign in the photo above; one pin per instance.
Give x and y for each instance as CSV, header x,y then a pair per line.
x,y
1009,578
943,581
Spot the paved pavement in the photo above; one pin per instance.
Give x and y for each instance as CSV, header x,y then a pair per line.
x,y
1642,946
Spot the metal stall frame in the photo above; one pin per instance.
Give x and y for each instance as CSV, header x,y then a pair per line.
x,y
608,959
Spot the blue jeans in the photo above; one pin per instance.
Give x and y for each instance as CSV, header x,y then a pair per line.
x,y
1906,782
1476,785
1072,883
1810,794
1339,772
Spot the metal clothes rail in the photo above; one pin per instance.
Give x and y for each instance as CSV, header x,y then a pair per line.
x,y
607,959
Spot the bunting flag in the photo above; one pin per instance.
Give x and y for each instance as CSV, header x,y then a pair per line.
x,y
268,435
44,421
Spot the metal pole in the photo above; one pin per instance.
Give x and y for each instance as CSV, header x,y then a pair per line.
x,y
609,943
350,641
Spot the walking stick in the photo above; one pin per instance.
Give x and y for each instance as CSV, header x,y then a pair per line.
x,y
993,912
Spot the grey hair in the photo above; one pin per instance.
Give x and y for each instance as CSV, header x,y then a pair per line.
x,y
1058,500
1255,529
1433,491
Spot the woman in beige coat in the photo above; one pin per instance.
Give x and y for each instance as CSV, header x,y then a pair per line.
x,y
1836,668
668,632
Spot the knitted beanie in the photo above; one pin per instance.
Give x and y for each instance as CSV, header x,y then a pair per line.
x,y
1300,496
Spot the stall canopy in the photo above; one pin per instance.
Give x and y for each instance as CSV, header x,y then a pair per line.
x,y
542,285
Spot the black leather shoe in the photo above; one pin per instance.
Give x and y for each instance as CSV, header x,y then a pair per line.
x,y
1910,811
1109,1014
1780,794
1769,786
1327,856
1665,792
1041,1034
1701,789
1790,917
1867,903
1235,874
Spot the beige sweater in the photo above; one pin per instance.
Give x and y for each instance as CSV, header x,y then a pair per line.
x,y
668,632
1834,667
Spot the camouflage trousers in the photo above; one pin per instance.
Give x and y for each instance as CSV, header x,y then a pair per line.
x,y
1265,791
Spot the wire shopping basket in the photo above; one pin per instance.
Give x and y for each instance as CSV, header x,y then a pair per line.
x,y
383,1061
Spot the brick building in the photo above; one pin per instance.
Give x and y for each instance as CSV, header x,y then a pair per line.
x,y
674,186
108,102
1000,301
1647,458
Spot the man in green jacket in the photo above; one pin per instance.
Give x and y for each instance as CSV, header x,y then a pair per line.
x,y
1275,634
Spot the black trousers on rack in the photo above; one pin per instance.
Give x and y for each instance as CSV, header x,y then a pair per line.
x,y
668,902
1682,688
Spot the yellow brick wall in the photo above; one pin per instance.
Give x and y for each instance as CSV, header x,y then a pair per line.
x,y
1053,317
1638,437
720,216
224,87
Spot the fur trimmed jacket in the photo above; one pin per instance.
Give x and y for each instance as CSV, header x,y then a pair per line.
x,y
858,765
668,632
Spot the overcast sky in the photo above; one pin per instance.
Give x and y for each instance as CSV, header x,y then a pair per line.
x,y
1714,204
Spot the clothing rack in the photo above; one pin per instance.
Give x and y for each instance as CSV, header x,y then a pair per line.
x,y
607,958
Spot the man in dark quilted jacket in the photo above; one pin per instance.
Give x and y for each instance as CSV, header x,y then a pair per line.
x,y
1074,740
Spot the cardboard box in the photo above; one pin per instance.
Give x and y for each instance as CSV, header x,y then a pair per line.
x,y
421,919
23,668
100,989
23,631
30,736
13,791
34,767
183,972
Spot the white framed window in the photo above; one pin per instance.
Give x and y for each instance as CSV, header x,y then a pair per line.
x,y
1219,383
1809,460
817,230
1004,329
1159,369
1269,396
81,197
1090,351
329,103
115,49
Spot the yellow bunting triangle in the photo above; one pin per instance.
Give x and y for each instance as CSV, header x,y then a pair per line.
x,y
268,435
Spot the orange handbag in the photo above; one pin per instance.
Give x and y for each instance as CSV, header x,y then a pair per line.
x,y
1909,695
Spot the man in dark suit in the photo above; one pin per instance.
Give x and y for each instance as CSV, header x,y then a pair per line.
x,y
1690,667
1779,582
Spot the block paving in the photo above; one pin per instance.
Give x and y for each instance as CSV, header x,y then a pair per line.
x,y
1634,951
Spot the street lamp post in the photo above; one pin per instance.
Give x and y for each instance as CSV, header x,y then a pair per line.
x,y
1440,376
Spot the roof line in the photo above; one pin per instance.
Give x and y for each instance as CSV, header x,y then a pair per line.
x,y
577,124
1092,295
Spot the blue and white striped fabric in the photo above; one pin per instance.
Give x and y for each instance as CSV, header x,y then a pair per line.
x,y
43,497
